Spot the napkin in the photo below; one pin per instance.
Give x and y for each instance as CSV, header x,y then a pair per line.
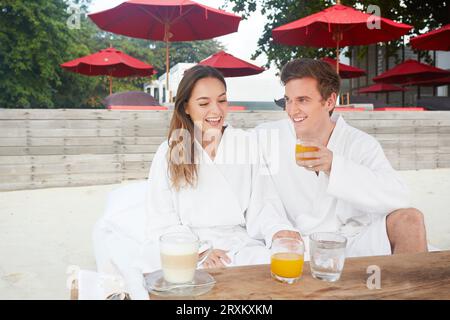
x,y
97,286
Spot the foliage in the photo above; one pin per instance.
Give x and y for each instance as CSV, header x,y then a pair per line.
x,y
35,38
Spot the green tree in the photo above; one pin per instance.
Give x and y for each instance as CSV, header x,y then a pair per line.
x,y
154,52
190,52
425,15
280,12
419,13
78,90
35,39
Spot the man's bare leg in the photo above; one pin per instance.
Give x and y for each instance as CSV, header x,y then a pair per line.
x,y
406,231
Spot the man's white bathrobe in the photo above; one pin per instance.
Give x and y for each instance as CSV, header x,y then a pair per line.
x,y
232,205
361,190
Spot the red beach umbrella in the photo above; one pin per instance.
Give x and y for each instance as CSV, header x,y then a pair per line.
x,y
110,62
409,71
166,20
381,88
438,39
430,83
230,66
338,26
346,71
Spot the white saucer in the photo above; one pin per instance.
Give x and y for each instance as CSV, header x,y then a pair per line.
x,y
203,282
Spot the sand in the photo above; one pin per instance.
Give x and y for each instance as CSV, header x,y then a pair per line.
x,y
44,232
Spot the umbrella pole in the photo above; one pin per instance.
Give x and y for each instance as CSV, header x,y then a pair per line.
x,y
434,64
167,70
337,61
110,84
403,60
167,37
337,58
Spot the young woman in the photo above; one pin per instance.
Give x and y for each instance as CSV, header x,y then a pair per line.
x,y
203,180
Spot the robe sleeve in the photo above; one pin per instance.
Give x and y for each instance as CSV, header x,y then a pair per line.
x,y
367,180
265,214
161,215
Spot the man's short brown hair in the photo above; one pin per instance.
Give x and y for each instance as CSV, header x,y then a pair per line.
x,y
328,80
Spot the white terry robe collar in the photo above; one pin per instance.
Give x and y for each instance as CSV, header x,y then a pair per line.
x,y
202,152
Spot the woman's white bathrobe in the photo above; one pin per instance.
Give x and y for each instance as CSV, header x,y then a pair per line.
x,y
361,190
232,204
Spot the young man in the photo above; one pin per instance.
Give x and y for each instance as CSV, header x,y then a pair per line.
x,y
349,187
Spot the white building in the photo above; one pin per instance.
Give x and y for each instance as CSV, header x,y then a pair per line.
x,y
158,88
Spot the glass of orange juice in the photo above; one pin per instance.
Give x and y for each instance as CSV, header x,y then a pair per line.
x,y
300,148
286,263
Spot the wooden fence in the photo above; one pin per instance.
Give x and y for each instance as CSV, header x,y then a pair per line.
x,y
59,148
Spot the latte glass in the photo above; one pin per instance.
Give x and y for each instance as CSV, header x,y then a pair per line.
x,y
180,256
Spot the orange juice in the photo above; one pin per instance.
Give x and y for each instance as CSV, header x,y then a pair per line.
x,y
299,149
287,264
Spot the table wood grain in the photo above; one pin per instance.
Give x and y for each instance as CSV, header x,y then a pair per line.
x,y
404,276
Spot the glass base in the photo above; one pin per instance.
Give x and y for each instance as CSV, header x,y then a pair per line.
x,y
283,279
326,276
202,283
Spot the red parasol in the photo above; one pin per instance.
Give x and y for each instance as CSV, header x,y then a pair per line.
x,y
346,71
110,62
409,71
338,26
438,39
230,66
430,83
381,88
166,20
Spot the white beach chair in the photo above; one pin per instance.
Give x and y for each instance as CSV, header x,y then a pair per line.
x,y
119,234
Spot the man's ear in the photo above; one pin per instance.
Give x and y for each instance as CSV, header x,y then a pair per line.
x,y
331,101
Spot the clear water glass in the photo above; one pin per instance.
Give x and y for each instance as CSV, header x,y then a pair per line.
x,y
327,250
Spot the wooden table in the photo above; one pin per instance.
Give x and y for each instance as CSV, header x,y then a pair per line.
x,y
407,276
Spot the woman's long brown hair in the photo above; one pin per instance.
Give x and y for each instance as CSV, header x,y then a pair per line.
x,y
184,173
